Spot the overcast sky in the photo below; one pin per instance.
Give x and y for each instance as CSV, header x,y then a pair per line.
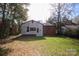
x,y
41,11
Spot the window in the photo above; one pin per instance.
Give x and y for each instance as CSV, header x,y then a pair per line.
x,y
32,29
27,29
37,30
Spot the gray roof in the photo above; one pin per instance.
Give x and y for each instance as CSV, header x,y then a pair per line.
x,y
31,20
71,27
45,24
48,24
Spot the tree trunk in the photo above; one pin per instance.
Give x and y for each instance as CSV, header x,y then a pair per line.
x,y
59,20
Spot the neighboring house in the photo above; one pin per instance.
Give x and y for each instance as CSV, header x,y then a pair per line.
x,y
69,27
76,20
37,29
68,22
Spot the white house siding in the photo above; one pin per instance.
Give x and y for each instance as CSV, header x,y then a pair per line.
x,y
30,24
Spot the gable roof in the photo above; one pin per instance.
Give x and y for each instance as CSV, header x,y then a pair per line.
x,y
33,21
71,27
44,24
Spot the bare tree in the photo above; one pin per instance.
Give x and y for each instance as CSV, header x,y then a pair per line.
x,y
60,10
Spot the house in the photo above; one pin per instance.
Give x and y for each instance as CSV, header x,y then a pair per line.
x,y
49,29
68,22
76,20
36,28
69,28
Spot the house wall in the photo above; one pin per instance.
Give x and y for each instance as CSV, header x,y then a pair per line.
x,y
49,30
30,24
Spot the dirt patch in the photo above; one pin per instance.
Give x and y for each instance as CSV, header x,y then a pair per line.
x,y
21,49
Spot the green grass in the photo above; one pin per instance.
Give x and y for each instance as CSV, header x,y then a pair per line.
x,y
51,46
54,45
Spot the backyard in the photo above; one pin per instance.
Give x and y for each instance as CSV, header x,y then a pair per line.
x,y
41,46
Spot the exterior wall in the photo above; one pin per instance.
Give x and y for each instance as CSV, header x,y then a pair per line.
x,y
49,30
32,24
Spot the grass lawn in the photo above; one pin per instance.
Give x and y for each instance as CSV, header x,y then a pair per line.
x,y
45,46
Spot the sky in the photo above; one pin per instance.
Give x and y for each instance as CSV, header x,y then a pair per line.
x,y
41,11
76,9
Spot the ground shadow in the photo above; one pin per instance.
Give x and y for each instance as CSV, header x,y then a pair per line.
x,y
4,51
24,38
29,38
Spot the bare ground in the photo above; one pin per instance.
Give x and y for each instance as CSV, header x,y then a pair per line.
x,y
21,49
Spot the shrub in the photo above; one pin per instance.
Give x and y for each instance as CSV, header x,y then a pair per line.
x,y
72,33
77,32
4,51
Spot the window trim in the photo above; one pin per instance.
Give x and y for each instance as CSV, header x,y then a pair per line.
x,y
32,28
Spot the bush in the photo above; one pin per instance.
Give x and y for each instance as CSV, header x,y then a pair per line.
x,y
4,51
77,32
71,33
